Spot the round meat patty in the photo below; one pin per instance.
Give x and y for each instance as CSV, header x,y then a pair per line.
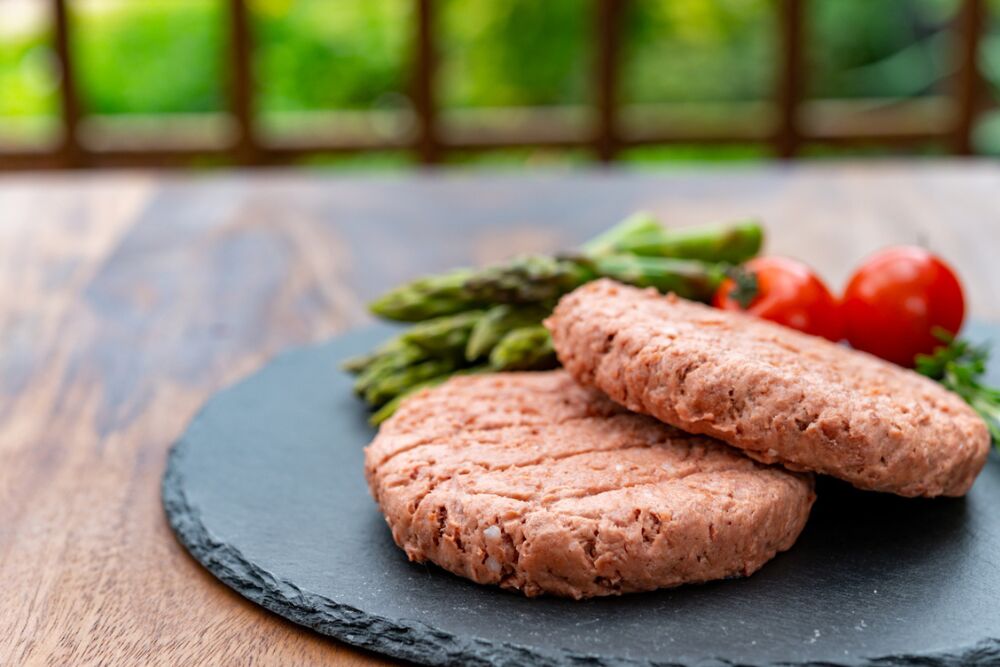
x,y
780,395
532,482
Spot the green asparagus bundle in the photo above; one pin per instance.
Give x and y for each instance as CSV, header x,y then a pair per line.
x,y
489,319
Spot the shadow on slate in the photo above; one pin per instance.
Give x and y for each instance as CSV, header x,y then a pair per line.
x,y
266,490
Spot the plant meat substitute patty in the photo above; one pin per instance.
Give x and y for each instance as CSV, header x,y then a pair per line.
x,y
534,483
779,395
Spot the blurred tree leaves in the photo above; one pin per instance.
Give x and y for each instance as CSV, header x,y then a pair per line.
x,y
28,75
693,51
515,52
318,54
888,48
162,56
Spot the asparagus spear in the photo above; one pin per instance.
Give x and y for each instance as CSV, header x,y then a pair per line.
x,y
431,296
360,363
389,408
356,365
523,348
447,335
387,364
527,348
637,225
442,336
498,322
734,243
689,278
526,279
388,387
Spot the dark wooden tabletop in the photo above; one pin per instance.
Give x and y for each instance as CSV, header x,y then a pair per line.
x,y
127,299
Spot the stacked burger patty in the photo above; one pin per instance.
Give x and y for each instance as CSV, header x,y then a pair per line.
x,y
677,446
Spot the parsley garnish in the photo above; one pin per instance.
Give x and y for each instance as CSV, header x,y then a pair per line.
x,y
959,366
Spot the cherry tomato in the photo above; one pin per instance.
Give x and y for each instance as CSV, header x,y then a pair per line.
x,y
789,293
896,299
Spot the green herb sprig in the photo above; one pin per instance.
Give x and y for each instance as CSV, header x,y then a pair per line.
x,y
959,365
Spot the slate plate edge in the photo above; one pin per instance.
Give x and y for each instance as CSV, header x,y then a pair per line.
x,y
419,642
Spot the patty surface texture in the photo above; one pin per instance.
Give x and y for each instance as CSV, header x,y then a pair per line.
x,y
532,482
779,395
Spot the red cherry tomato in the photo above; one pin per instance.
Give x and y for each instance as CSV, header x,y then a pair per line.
x,y
789,293
896,299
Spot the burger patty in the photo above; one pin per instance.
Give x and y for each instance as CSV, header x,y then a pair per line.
x,y
779,395
531,482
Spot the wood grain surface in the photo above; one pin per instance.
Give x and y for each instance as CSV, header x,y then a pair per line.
x,y
127,299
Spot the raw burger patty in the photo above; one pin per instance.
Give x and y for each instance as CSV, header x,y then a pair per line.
x,y
532,482
779,395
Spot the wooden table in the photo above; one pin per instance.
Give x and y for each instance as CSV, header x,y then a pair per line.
x,y
127,299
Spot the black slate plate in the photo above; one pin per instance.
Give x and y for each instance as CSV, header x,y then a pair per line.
x,y
266,490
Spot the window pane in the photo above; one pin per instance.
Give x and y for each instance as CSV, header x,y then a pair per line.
x,y
29,75
987,135
321,55
333,70
150,56
699,51
889,48
515,52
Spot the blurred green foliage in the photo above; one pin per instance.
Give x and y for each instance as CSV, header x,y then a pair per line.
x,y
168,56
158,56
317,54
700,51
888,48
515,52
27,83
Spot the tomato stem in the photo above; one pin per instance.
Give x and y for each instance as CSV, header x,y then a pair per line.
x,y
746,287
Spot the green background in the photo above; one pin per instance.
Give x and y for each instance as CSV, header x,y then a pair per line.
x,y
167,56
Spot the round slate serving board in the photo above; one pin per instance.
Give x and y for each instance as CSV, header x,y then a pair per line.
x,y
266,490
